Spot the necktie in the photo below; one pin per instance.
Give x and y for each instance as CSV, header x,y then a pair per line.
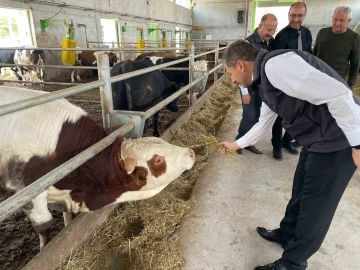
x,y
299,41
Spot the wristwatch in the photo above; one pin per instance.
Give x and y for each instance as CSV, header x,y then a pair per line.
x,y
357,147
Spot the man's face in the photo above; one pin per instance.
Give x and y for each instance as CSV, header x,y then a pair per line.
x,y
296,16
267,29
238,74
340,22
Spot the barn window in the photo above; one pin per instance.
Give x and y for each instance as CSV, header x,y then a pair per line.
x,y
184,3
110,32
279,7
15,28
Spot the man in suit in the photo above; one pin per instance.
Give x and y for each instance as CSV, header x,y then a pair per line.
x,y
262,38
293,36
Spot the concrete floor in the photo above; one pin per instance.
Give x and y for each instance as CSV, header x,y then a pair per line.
x,y
234,195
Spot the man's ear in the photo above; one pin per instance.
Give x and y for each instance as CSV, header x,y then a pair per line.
x,y
240,65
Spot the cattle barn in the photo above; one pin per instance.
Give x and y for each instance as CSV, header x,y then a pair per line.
x,y
115,118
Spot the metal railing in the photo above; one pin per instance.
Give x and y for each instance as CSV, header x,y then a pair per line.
x,y
22,197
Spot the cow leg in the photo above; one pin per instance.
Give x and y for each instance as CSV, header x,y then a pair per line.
x,y
40,217
155,124
72,75
78,75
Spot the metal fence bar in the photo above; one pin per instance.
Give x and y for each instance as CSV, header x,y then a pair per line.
x,y
166,101
191,74
31,102
107,105
38,82
28,193
146,70
46,66
96,49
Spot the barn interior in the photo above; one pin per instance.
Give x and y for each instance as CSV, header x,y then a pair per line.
x,y
206,219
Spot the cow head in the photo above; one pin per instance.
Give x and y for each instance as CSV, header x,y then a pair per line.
x,y
162,161
113,59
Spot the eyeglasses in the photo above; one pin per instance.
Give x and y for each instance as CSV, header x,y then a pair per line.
x,y
271,30
300,16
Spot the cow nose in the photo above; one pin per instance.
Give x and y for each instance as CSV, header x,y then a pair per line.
x,y
191,153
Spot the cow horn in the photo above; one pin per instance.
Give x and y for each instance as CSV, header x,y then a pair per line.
x,y
130,164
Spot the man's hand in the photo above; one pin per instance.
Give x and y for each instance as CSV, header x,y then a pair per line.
x,y
232,146
356,157
246,99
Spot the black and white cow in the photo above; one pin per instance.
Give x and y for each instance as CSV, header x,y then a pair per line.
x,y
30,56
142,92
7,57
34,141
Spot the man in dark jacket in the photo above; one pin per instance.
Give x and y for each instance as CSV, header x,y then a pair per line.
x,y
293,36
324,117
251,103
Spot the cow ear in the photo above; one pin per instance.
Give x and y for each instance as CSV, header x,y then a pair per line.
x,y
130,164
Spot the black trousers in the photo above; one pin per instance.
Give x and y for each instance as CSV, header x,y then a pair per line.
x,y
278,140
319,182
251,114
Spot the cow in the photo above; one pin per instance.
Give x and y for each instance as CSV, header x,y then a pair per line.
x,y
36,140
142,92
7,57
30,56
180,77
88,59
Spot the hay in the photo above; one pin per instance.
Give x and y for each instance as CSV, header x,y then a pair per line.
x,y
142,234
357,90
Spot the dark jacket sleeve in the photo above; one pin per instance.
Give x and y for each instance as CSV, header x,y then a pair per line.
x,y
308,42
280,41
354,62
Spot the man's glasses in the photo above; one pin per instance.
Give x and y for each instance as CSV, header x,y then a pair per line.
x,y
300,16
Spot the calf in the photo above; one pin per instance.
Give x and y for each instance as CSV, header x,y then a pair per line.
x,y
88,59
30,56
37,140
142,92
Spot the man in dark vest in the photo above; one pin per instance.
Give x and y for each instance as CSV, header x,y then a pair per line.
x,y
251,103
293,36
321,113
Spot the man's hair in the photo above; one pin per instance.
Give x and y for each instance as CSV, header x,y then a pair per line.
x,y
239,50
266,16
345,9
298,4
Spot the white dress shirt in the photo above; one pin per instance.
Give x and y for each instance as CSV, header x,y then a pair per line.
x,y
295,77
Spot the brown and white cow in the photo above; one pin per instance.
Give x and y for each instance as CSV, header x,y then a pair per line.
x,y
34,141
88,59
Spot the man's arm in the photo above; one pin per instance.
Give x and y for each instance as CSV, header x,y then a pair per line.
x,y
291,74
260,129
354,63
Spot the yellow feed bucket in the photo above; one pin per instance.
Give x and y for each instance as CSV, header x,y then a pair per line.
x,y
68,57
187,43
164,43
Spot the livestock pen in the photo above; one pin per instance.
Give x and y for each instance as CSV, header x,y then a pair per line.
x,y
27,194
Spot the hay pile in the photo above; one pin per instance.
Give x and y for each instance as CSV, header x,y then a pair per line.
x,y
142,234
357,90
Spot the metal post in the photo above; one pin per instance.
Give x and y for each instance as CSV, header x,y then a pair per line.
x,y
216,61
191,73
107,105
